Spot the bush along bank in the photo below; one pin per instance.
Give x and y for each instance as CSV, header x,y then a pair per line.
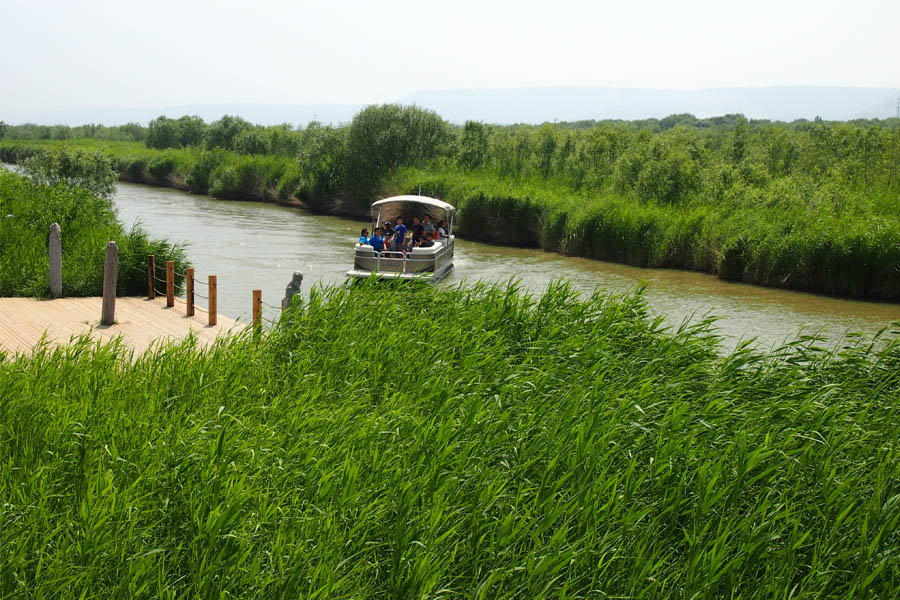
x,y
215,172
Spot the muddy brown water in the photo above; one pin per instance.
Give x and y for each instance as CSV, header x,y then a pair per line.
x,y
250,245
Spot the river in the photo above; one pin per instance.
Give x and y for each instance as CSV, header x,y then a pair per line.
x,y
252,245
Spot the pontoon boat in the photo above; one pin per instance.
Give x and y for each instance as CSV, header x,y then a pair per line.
x,y
432,263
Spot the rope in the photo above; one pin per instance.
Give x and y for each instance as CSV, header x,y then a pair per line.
x,y
196,281
270,305
201,309
158,293
159,280
201,296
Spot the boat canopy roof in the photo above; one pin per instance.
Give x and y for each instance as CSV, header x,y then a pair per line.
x,y
410,199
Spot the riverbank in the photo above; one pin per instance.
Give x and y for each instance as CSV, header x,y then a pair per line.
x,y
568,448
793,233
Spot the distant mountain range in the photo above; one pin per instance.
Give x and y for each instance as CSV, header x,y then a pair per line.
x,y
536,105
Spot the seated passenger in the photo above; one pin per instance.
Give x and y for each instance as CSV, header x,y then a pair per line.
x,y
377,241
414,241
417,226
364,236
388,230
426,242
442,231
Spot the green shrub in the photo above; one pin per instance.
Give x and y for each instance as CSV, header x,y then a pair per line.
x,y
87,223
92,171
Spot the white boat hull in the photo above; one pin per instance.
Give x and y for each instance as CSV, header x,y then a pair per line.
x,y
430,264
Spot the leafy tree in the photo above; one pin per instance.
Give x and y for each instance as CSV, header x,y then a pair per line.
x,y
546,147
250,141
381,138
221,133
162,132
473,145
191,131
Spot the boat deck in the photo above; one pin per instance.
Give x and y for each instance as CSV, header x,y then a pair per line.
x,y
140,322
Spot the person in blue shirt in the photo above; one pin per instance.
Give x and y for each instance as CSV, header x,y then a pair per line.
x,y
377,241
364,236
399,234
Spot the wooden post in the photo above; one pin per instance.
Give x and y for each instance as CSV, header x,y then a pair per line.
x,y
257,309
110,277
55,261
189,290
212,300
151,272
170,283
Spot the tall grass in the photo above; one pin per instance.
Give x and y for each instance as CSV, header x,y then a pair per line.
x,y
418,443
87,223
788,237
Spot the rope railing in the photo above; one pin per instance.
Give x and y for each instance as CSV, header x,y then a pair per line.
x,y
187,287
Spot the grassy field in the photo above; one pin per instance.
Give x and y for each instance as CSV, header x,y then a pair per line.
x,y
412,442
87,223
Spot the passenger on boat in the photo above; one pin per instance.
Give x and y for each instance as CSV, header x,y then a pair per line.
x,y
399,234
425,242
388,230
428,226
413,241
377,240
364,236
442,231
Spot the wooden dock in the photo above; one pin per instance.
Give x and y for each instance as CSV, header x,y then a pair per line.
x,y
140,322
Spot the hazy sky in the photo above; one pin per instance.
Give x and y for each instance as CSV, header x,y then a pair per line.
x,y
91,54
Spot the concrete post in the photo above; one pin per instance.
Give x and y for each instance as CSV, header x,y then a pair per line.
x,y
110,279
292,288
55,261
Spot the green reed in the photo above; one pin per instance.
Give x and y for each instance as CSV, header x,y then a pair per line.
x,y
87,222
413,442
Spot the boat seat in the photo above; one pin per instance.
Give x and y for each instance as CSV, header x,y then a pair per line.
x,y
431,250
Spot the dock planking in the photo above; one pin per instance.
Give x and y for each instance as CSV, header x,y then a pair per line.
x,y
140,322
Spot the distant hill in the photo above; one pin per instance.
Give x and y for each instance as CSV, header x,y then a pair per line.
x,y
262,114
536,105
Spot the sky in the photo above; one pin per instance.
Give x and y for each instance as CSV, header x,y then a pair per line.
x,y
96,54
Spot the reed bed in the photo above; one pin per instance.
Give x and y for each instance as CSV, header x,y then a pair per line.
x,y
413,442
87,222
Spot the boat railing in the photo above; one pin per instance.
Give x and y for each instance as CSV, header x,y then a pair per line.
x,y
405,262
